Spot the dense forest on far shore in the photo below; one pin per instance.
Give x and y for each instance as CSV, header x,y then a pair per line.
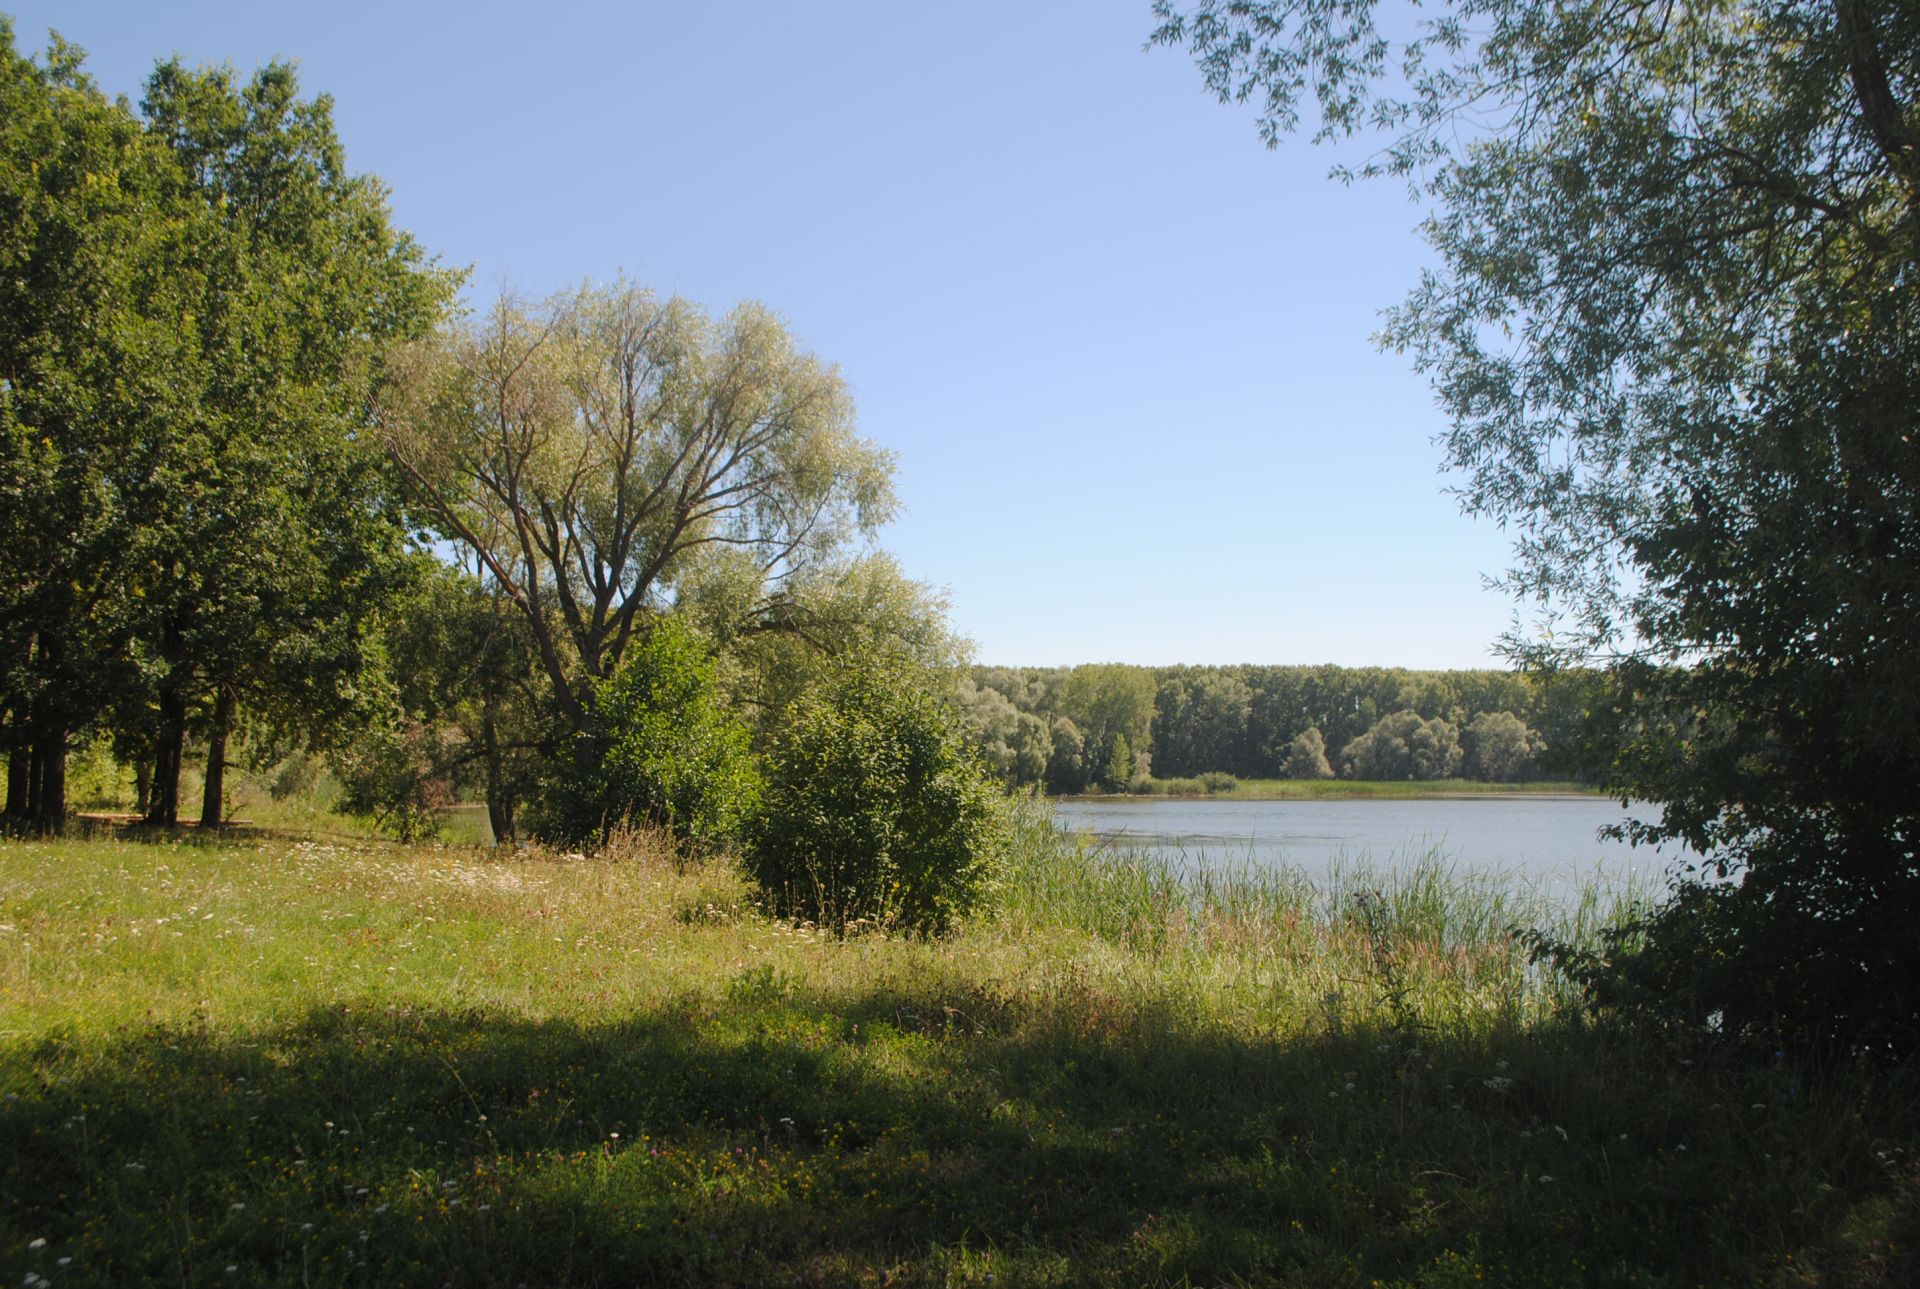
x,y
1113,727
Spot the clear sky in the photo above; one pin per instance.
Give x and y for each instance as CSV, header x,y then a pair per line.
x,y
1120,350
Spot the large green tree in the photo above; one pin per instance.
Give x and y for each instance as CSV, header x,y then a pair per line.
x,y
1675,323
195,305
96,359
608,454
269,529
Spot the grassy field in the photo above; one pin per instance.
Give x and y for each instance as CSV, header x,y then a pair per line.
x,y
1347,789
326,1061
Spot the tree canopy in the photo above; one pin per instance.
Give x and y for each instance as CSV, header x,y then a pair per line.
x,y
198,299
602,451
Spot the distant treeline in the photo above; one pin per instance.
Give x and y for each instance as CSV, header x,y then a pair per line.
x,y
1109,726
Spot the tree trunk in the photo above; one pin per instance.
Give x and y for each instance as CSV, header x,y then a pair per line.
x,y
36,779
213,802
142,787
50,801
499,797
19,776
169,751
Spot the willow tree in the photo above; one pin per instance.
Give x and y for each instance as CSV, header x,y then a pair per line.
x,y
600,452
1674,321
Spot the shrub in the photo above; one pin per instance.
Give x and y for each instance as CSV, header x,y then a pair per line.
x,y
665,752
1215,781
392,772
875,811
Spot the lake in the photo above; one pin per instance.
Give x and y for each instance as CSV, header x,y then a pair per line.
x,y
1550,838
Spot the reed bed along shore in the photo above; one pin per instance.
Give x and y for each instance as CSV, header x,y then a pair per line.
x,y
300,1060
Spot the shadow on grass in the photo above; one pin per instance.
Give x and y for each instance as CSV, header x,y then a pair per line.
x,y
776,1136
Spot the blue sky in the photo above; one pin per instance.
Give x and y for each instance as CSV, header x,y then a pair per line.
x,y
1120,350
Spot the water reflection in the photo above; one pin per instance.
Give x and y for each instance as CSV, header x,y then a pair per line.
x,y
1554,839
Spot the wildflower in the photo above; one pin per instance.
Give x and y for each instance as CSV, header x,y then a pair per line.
x,y
37,1245
1499,1083
236,1208
1546,1179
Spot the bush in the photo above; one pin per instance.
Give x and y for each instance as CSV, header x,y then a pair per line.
x,y
1216,781
665,752
876,811
392,772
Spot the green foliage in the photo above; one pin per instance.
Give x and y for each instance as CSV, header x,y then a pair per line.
x,y
774,645
1115,762
667,752
1500,747
1015,745
876,812
1402,746
1307,756
461,662
198,305
1201,722
93,364
1244,720
1067,758
394,773
1112,706
596,453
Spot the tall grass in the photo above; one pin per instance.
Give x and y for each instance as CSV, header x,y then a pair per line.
x,y
270,1060
1429,934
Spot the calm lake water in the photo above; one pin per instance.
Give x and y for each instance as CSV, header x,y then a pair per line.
x,y
1546,838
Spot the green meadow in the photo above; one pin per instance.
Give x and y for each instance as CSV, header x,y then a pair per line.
x,y
286,1059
